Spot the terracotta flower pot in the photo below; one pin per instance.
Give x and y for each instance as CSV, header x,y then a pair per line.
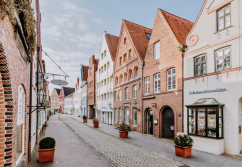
x,y
46,155
123,134
183,151
96,125
85,120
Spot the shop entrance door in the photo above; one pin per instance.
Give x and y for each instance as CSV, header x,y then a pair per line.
x,y
150,122
168,123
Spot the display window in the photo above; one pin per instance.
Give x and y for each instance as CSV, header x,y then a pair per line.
x,y
205,119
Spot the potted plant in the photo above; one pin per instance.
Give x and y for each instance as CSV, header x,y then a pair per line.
x,y
46,149
123,130
84,118
95,122
183,145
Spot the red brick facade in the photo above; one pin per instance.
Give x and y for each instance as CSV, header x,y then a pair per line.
x,y
61,101
14,70
91,81
127,70
170,58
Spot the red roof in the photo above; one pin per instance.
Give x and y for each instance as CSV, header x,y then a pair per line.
x,y
179,26
138,36
112,42
70,95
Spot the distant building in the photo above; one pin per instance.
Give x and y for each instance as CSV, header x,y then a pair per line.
x,y
65,91
54,99
68,104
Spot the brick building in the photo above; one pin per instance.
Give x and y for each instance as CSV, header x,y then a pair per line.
x,y
54,99
93,65
65,91
162,76
133,42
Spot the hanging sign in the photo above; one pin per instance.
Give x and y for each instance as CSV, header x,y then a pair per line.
x,y
59,82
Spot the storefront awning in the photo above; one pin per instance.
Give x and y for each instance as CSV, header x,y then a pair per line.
x,y
206,102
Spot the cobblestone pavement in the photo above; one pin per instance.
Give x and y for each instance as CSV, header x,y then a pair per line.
x,y
114,151
166,147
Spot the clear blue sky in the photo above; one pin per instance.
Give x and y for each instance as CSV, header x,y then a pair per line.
x,y
72,29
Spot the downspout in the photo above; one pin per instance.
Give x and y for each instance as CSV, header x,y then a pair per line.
x,y
141,110
30,104
239,33
37,123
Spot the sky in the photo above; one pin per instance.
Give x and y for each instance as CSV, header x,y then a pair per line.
x,y
71,30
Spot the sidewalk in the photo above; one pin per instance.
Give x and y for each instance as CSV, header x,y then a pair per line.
x,y
166,147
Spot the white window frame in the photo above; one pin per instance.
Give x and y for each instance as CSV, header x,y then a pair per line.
x,y
147,85
126,111
157,50
120,95
126,93
171,74
115,115
120,115
116,96
223,57
223,17
134,121
157,83
135,92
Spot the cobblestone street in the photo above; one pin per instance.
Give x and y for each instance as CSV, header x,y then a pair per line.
x,y
79,144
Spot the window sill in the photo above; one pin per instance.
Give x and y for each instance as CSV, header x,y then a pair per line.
x,y
218,31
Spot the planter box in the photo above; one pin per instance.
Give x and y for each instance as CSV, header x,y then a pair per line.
x,y
183,151
46,155
85,120
96,125
123,134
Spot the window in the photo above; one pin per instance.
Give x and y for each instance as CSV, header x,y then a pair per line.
x,y
108,64
147,85
115,115
224,18
116,81
20,123
126,93
136,72
147,35
130,74
134,91
105,67
101,69
102,56
120,79
157,83
120,95
125,58
104,82
134,116
222,59
120,115
120,61
126,111
125,40
125,77
105,53
90,71
104,96
157,50
130,54
202,121
116,96
200,64
171,79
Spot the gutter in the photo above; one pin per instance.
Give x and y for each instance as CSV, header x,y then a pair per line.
x,y
142,64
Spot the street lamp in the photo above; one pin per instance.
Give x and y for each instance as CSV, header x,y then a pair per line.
x,y
41,97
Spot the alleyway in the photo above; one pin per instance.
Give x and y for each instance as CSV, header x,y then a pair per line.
x,y
79,144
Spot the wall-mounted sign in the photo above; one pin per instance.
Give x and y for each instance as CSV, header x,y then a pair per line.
x,y
155,121
207,91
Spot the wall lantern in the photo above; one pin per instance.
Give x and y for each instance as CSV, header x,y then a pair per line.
x,y
41,97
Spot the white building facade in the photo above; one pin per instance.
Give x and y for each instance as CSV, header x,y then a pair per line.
x,y
213,78
68,104
104,79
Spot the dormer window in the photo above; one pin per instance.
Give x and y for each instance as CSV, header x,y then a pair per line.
x,y
224,17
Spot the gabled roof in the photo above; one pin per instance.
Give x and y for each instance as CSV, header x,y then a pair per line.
x,y
138,36
112,42
67,91
57,91
179,26
70,94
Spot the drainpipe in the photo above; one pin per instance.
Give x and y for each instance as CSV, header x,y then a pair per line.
x,y
30,104
141,110
37,123
239,32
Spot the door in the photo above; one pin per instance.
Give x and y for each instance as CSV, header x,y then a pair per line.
x,y
168,123
150,122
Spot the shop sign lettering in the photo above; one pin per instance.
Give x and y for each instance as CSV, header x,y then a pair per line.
x,y
207,91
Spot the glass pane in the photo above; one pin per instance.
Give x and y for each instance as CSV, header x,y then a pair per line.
x,y
227,62
204,58
204,66
197,72
173,71
211,122
192,121
226,51
219,53
227,23
198,67
221,13
169,72
201,129
227,10
197,60
219,64
173,82
221,21
221,26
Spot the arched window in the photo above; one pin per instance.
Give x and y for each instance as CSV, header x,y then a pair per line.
x,y
116,81
130,74
125,77
20,123
120,79
136,72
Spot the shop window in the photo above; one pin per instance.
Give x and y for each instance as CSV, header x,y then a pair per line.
x,y
224,18
223,59
200,64
171,79
205,118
